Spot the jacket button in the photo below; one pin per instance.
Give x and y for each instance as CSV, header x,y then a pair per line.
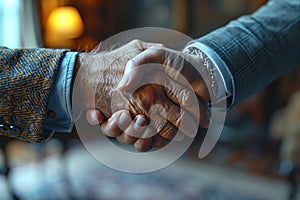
x,y
51,114
14,130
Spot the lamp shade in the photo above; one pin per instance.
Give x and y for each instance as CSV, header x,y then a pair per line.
x,y
65,22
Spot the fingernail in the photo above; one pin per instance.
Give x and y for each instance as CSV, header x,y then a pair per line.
x,y
93,118
139,122
123,121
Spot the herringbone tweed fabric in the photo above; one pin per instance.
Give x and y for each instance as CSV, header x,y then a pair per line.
x,y
26,77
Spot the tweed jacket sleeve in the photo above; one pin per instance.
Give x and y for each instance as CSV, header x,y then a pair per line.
x,y
260,47
26,78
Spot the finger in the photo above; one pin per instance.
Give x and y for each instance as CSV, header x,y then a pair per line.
x,y
94,116
186,119
180,118
133,69
195,104
137,44
137,127
174,63
164,128
159,142
170,132
201,90
145,45
169,61
144,143
179,94
118,122
133,131
205,114
126,139
183,96
133,75
201,113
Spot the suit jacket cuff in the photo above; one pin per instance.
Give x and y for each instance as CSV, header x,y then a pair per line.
x,y
61,119
226,80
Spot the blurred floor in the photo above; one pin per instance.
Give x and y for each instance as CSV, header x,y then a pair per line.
x,y
78,175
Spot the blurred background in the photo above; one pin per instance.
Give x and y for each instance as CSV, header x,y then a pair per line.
x,y
255,158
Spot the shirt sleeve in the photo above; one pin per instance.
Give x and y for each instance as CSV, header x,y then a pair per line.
x,y
224,77
60,118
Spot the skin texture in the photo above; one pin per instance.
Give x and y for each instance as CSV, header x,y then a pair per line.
x,y
179,67
133,117
173,64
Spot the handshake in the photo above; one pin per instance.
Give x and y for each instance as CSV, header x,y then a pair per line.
x,y
143,94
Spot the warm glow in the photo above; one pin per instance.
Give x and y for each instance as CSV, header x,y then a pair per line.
x,y
65,22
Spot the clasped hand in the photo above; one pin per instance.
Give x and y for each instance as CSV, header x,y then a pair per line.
x,y
143,93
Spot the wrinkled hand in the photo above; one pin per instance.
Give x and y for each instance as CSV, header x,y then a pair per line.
x,y
100,73
174,69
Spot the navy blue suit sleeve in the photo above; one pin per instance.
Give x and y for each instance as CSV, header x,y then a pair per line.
x,y
260,47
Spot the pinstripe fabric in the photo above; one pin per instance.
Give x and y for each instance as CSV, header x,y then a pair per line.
x,y
26,77
260,47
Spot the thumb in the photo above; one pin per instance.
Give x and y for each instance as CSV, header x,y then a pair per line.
x,y
136,67
145,45
132,76
94,116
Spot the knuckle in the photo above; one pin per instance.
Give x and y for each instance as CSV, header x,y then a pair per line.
x,y
122,140
186,97
142,147
127,139
175,113
181,118
108,132
168,132
138,43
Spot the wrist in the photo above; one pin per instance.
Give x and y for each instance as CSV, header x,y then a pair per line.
x,y
97,74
